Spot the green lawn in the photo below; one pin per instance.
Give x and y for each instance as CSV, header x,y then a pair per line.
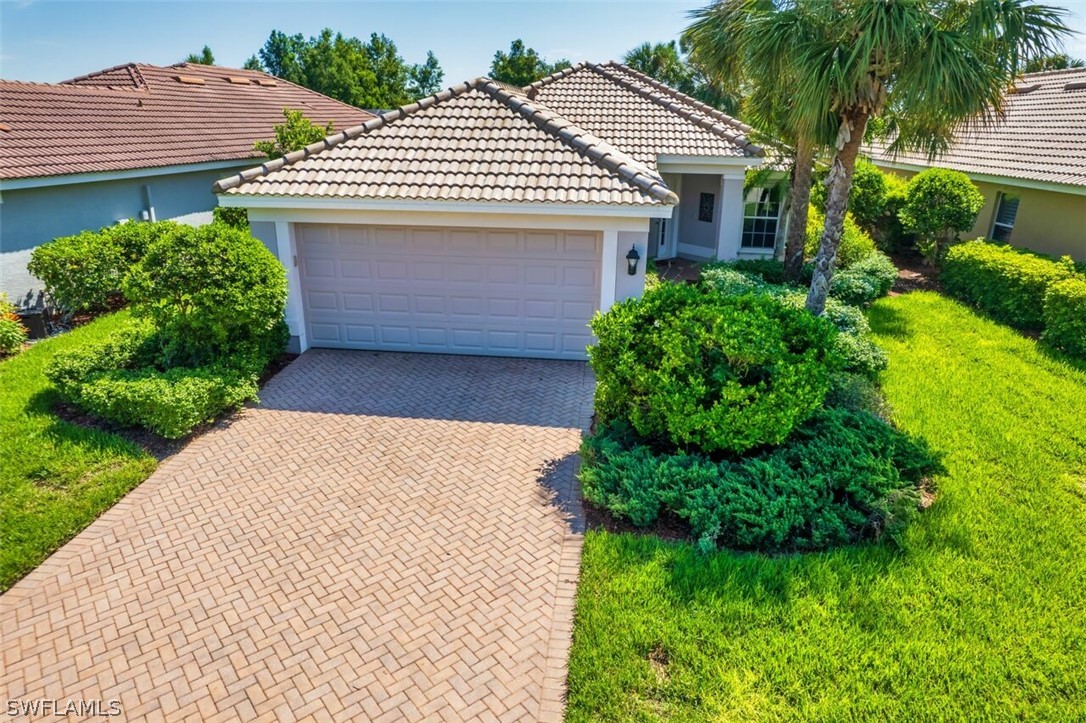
x,y
55,477
980,615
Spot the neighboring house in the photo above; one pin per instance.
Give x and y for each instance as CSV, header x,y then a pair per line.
x,y
1030,165
131,142
491,219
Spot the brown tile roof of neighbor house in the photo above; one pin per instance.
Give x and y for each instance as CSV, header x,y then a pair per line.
x,y
1042,136
144,116
478,141
640,115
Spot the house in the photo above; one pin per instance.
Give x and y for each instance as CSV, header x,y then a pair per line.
x,y
131,142
1030,165
492,219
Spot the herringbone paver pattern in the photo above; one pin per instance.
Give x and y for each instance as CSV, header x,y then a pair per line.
x,y
370,543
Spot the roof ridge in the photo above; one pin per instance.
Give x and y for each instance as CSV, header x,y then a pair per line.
x,y
595,149
531,88
136,78
1053,72
66,87
378,121
698,112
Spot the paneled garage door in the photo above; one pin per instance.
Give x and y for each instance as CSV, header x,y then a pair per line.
x,y
450,290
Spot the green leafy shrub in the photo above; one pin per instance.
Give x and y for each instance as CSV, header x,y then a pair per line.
x,y
842,476
867,199
1008,283
864,281
728,280
12,332
1065,316
231,216
209,291
857,393
853,343
770,271
890,233
86,272
686,366
856,244
939,205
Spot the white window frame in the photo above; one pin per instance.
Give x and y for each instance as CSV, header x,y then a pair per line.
x,y
776,219
1008,227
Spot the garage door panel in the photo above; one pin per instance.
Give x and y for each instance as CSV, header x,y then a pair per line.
x,y
510,293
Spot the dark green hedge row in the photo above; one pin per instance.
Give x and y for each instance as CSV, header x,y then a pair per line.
x,y
1009,284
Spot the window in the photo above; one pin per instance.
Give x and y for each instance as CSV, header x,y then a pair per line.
x,y
1003,221
761,215
705,207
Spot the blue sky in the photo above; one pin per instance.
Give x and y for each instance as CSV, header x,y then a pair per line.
x,y
52,40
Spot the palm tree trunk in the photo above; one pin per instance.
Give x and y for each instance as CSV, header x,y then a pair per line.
x,y
840,184
797,217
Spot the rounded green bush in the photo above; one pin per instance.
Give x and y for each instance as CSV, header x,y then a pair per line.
x,y
939,205
856,244
86,272
209,291
1065,316
868,279
691,368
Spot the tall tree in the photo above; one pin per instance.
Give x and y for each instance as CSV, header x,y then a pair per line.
x,y
724,38
522,65
204,57
253,63
931,66
425,78
676,65
295,133
1055,61
367,74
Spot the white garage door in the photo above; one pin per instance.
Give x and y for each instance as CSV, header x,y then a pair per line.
x,y
449,290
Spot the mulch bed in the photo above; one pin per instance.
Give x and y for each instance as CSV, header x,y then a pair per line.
x,y
159,447
914,275
667,527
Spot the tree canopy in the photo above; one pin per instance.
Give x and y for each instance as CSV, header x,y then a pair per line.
x,y
676,65
367,74
204,57
294,134
1055,61
522,65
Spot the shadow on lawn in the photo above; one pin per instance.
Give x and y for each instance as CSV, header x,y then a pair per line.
x,y
887,321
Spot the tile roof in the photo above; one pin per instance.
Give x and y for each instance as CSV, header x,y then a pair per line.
x,y
1041,137
640,115
477,141
141,116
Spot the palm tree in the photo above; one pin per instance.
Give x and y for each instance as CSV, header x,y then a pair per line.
x,y
934,66
724,38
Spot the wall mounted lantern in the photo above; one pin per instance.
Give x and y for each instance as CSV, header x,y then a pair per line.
x,y
631,261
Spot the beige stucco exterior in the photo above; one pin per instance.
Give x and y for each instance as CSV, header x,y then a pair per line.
x,y
1049,221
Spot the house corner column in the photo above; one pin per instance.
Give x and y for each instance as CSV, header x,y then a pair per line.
x,y
609,270
730,225
288,256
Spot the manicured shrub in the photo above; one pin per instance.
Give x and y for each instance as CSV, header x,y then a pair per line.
x,y
728,280
12,331
864,281
890,233
209,291
842,476
867,199
1065,316
689,367
130,347
939,205
230,216
1008,283
853,343
86,272
856,244
170,403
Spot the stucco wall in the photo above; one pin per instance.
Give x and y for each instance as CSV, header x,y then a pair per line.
x,y
1048,221
700,234
31,216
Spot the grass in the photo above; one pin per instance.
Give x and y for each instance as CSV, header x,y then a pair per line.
x,y
55,477
979,615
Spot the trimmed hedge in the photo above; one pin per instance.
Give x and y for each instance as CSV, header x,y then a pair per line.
x,y
843,476
868,279
689,367
1009,284
1065,316
86,272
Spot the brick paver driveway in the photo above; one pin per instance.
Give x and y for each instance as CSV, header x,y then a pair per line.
x,y
370,543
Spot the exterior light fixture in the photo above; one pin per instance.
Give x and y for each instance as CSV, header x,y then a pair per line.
x,y
631,261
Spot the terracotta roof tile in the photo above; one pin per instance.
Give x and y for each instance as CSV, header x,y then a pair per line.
x,y
1041,137
640,115
140,116
479,140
